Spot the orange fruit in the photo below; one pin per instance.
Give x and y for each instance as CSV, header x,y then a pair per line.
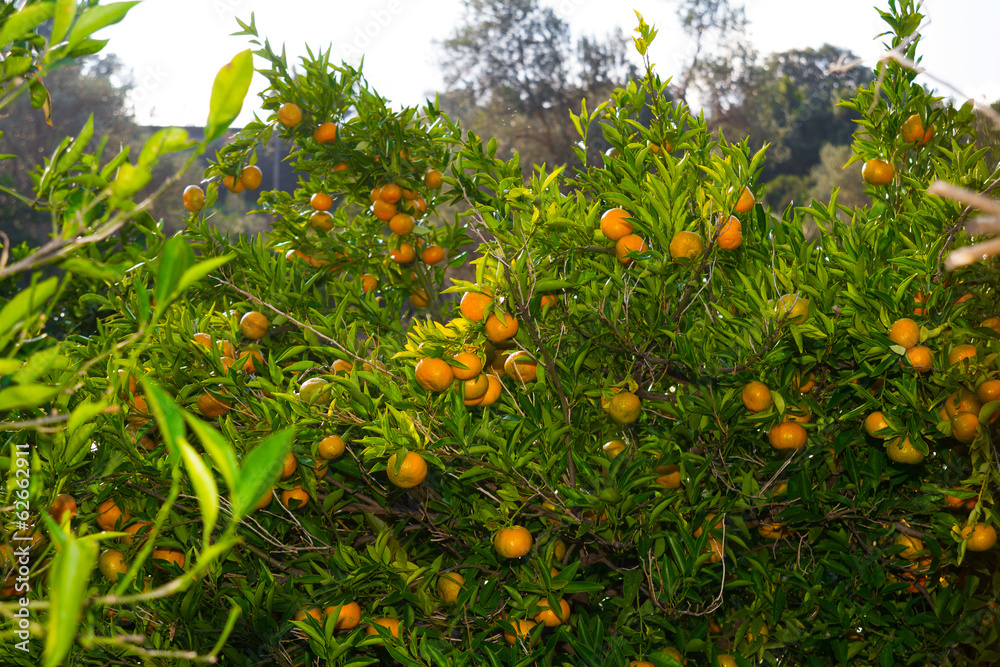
x,y
498,330
615,224
310,612
251,177
745,202
112,563
989,391
729,234
912,130
992,323
384,210
877,172
331,447
368,283
254,362
961,401
401,224
628,244
412,472
449,586
391,624
960,353
254,325
473,305
640,663
475,388
167,555
787,436
63,505
803,381
325,133
320,201
918,299
756,396
289,114
404,254
289,466
340,166
265,499
771,531
625,407
213,407
347,617
194,199
473,366
905,333
434,374
432,179
143,527
685,245
965,427
669,476
493,392
419,299
982,538
391,193
521,367
512,542
433,254
920,358
874,423
613,448
552,617
793,309
110,516
725,660
294,497
321,220
233,184
912,546
522,630
901,450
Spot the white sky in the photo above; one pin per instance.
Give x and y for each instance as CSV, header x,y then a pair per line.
x,y
175,47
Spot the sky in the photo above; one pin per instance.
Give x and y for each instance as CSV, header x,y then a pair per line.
x,y
175,47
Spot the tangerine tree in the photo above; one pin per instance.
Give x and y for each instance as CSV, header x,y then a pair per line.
x,y
658,426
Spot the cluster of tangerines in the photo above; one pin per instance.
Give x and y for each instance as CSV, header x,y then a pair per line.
x,y
961,409
397,206
616,226
879,172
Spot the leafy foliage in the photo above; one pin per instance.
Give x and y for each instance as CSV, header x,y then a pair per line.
x,y
626,438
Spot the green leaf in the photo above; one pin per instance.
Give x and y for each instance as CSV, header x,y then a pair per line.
x,y
175,259
65,12
260,471
167,140
27,396
204,485
21,24
130,180
90,268
9,366
83,413
217,447
68,581
228,92
202,269
96,18
168,416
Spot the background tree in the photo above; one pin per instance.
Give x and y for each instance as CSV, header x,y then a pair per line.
x,y
95,85
513,71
